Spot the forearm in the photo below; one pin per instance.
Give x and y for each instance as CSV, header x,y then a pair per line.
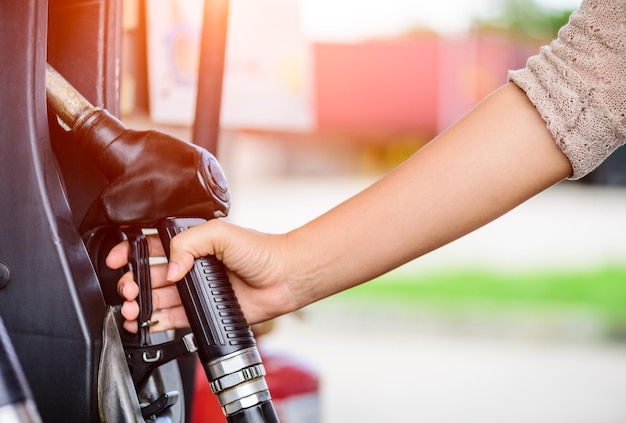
x,y
492,160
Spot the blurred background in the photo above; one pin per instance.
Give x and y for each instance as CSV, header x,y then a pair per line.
x,y
523,320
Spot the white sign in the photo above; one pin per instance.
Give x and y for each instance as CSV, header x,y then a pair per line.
x,y
268,77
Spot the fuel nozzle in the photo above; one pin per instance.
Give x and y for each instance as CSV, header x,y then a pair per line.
x,y
158,181
151,175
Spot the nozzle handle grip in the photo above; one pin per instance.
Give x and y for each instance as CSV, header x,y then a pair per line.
x,y
214,314
226,345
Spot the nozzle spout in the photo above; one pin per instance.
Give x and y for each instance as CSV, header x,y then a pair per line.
x,y
66,102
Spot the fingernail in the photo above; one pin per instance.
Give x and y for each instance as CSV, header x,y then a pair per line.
x,y
172,271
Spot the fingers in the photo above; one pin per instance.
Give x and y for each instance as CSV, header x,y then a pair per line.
x,y
165,298
169,314
130,312
167,319
165,302
127,287
168,311
118,256
191,244
171,318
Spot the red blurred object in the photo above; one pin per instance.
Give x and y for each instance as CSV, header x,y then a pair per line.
x,y
205,408
383,86
293,384
417,85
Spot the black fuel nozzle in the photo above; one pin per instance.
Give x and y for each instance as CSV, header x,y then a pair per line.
x,y
161,182
151,175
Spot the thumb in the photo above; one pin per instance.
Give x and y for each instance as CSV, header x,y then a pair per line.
x,y
180,263
173,271
185,247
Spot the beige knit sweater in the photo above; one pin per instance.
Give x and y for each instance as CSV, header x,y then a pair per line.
x,y
578,84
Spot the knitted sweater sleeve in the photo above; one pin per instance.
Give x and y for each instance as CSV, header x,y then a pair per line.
x,y
578,84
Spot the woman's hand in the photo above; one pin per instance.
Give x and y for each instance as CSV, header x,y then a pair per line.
x,y
254,262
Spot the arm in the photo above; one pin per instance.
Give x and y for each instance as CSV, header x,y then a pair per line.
x,y
492,160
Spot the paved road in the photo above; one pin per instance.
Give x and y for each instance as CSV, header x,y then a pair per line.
x,y
378,369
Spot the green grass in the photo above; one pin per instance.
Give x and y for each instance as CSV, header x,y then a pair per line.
x,y
601,291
